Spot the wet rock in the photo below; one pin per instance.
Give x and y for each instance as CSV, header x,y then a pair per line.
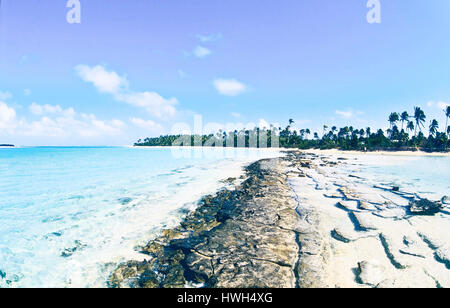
x,y
68,252
238,239
148,280
425,207
128,275
229,181
125,201
154,249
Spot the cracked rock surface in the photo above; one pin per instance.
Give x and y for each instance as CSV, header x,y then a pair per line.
x,y
238,238
370,235
303,220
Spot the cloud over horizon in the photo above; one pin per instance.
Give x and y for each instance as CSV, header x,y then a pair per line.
x,y
229,87
56,122
110,82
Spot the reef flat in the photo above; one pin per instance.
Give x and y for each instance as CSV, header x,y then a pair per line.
x,y
299,221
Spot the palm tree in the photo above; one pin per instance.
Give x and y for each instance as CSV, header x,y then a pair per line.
x,y
410,126
447,115
420,117
404,118
393,118
434,127
325,128
307,132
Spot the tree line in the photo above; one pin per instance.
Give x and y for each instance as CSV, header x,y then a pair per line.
x,y
406,132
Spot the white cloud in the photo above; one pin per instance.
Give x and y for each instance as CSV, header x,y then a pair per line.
x,y
97,127
440,104
263,124
5,95
86,126
146,124
236,115
56,122
345,114
7,117
110,82
201,52
104,81
37,109
154,103
209,38
229,87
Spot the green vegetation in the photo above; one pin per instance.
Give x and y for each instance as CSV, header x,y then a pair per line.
x,y
409,137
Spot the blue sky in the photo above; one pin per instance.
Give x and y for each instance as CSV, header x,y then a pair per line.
x,y
133,68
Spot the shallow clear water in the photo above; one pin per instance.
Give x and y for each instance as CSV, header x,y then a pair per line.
x,y
428,176
68,216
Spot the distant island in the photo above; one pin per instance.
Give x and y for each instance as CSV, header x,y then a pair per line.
x,y
7,145
408,137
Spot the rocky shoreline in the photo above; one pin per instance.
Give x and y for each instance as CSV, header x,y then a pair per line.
x,y
295,221
244,237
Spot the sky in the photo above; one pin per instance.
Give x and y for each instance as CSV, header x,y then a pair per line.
x,y
140,68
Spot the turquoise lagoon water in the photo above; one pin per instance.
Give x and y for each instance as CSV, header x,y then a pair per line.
x,y
68,216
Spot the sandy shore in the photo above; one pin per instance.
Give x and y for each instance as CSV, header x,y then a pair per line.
x,y
365,236
299,221
386,153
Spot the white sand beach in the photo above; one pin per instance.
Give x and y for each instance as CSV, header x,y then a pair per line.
x,y
380,153
364,236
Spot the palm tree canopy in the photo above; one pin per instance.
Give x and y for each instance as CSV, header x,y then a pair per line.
x,y
410,126
420,116
433,127
393,117
404,116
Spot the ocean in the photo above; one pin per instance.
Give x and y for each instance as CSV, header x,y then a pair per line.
x,y
70,215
